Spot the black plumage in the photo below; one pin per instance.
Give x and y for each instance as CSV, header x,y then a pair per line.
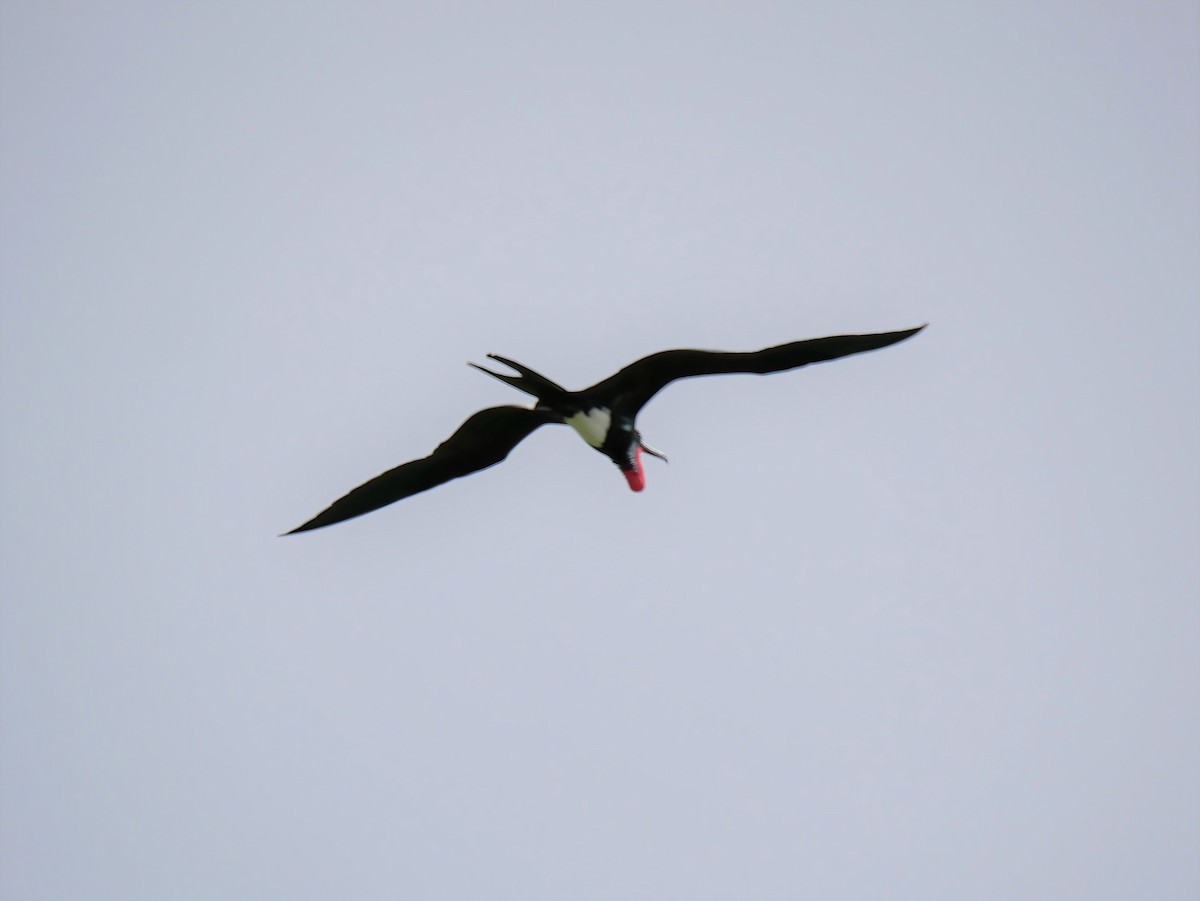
x,y
604,415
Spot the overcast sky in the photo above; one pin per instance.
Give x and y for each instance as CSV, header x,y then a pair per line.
x,y
921,623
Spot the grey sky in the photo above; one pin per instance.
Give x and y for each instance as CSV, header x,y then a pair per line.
x,y
917,624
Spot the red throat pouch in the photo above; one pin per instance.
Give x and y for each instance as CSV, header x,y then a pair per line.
x,y
636,477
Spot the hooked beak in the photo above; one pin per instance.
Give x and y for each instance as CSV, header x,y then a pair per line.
x,y
636,474
652,452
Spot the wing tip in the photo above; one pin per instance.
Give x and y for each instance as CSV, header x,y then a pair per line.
x,y
904,334
319,521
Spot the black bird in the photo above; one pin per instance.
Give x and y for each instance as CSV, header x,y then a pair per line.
x,y
603,415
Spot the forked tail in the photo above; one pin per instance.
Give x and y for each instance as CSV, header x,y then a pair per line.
x,y
530,382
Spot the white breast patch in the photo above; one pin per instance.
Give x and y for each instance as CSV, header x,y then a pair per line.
x,y
592,425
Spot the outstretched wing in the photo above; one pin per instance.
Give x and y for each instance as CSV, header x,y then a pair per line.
x,y
483,440
634,385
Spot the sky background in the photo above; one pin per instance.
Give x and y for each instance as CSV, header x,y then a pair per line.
x,y
921,623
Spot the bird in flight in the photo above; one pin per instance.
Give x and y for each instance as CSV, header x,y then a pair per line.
x,y
604,415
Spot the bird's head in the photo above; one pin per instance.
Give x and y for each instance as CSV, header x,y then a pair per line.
x,y
629,460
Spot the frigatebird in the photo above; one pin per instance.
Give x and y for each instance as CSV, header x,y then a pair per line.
x,y
603,415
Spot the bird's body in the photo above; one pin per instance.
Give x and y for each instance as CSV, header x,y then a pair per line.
x,y
604,416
